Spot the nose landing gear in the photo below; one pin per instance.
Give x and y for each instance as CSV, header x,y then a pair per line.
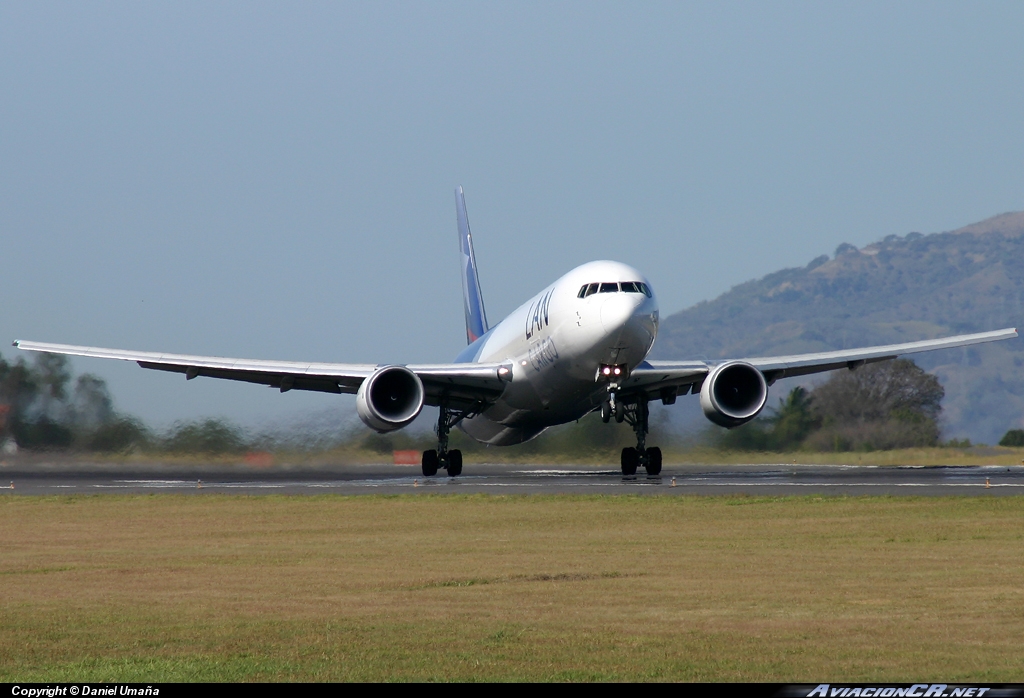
x,y
613,408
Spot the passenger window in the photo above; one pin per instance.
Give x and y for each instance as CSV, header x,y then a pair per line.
x,y
609,287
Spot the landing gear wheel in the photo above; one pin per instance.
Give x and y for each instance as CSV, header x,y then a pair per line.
x,y
630,460
606,411
637,414
430,463
654,461
454,463
450,460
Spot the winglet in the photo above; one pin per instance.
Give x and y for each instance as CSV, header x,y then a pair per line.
x,y
476,317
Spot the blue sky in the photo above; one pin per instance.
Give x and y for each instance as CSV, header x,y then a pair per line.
x,y
275,180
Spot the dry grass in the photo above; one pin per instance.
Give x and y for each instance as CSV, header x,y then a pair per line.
x,y
215,587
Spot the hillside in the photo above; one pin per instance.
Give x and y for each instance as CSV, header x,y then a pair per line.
x,y
896,290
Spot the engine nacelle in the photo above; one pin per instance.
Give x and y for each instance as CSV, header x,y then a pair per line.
x,y
733,393
390,398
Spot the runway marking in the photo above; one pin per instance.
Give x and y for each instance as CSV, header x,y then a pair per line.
x,y
752,477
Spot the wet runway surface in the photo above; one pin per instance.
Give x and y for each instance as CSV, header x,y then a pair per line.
x,y
781,479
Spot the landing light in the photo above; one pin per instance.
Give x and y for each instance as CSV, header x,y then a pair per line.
x,y
610,372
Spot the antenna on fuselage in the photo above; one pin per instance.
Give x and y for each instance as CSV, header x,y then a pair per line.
x,y
476,317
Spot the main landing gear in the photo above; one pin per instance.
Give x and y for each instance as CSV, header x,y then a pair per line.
x,y
636,415
442,457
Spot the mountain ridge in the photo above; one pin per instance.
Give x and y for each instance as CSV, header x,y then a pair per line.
x,y
898,289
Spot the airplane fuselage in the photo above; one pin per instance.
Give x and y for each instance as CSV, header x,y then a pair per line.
x,y
558,341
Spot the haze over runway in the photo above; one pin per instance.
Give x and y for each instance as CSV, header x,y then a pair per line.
x,y
755,480
260,181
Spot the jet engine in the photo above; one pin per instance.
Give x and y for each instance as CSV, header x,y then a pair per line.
x,y
390,398
733,393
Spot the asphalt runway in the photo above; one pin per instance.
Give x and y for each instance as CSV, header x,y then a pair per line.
x,y
711,479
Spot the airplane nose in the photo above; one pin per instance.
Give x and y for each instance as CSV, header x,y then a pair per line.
x,y
618,309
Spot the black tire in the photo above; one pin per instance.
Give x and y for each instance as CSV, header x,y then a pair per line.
x,y
630,459
606,412
654,461
429,463
620,412
454,463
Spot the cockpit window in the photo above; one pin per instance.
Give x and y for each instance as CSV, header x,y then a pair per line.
x,y
611,287
636,287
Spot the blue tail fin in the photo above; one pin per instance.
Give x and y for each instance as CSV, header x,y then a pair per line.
x,y
476,318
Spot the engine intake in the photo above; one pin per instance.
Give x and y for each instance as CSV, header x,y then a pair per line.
x,y
733,393
390,398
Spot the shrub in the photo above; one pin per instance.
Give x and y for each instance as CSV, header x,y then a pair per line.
x,y
207,436
1014,437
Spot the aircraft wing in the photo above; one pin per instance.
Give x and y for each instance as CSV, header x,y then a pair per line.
x,y
468,382
652,377
775,367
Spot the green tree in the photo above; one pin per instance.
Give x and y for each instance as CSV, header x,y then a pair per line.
x,y
210,436
890,404
36,397
117,435
18,388
42,412
782,429
793,420
1014,438
91,404
52,376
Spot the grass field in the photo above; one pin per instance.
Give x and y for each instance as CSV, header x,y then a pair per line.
x,y
210,587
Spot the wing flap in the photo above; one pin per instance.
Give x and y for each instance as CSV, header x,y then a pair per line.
x,y
283,381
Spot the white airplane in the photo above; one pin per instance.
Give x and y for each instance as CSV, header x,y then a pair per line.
x,y
578,346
